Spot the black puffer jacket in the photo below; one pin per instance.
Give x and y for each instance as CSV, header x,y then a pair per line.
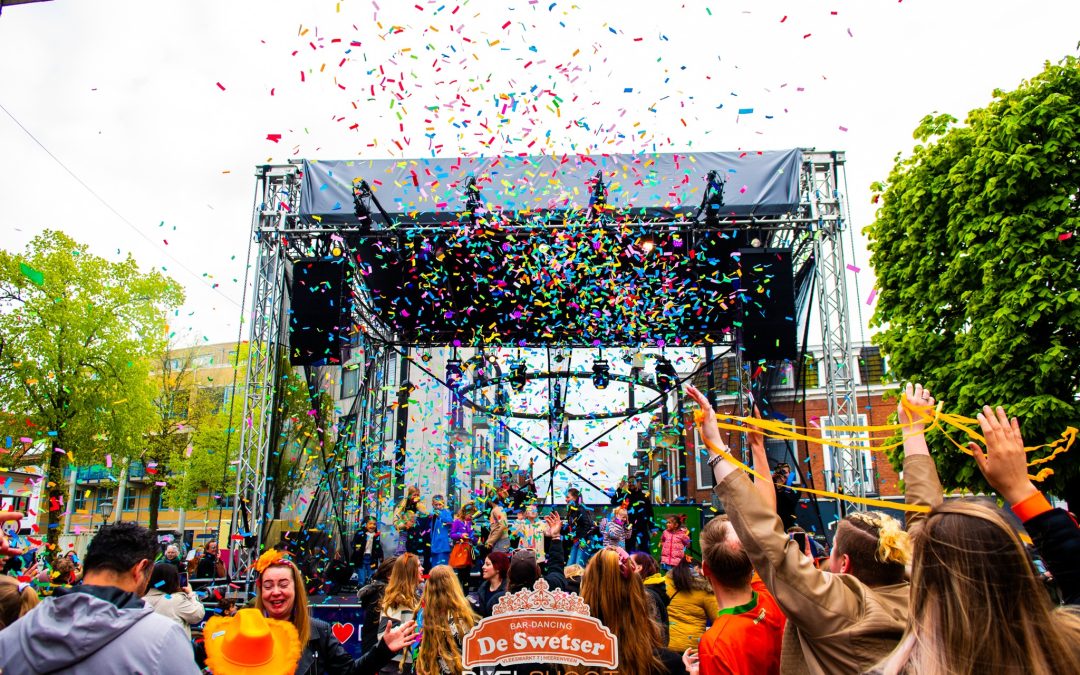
x,y
324,655
370,596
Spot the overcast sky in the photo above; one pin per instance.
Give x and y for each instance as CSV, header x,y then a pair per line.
x,y
164,108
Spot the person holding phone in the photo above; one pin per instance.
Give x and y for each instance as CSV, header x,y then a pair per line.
x,y
171,597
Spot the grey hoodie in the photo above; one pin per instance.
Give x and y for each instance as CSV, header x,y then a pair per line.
x,y
94,630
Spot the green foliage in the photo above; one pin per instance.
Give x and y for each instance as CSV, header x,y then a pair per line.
x,y
203,462
975,249
77,334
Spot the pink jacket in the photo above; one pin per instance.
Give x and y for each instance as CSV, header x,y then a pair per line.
x,y
673,546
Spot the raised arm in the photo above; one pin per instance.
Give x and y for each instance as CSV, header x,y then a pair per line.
x,y
764,485
820,603
921,484
1055,535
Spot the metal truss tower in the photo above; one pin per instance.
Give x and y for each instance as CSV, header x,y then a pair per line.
x,y
814,230
824,200
277,200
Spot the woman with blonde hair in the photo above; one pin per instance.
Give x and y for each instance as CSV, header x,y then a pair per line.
x,y
848,618
280,594
16,599
977,605
400,600
614,593
445,618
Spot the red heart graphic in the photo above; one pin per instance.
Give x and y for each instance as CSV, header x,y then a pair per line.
x,y
343,631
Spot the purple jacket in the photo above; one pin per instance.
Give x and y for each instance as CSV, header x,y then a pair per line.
x,y
461,529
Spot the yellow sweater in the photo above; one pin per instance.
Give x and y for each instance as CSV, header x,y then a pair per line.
x,y
689,612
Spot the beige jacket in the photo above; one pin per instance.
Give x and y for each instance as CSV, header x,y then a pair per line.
x,y
183,608
836,624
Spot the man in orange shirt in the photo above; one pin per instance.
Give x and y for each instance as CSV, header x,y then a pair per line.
x,y
747,634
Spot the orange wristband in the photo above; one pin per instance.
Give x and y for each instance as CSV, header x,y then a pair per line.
x,y
1031,506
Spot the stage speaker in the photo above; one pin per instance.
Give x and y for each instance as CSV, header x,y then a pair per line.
x,y
318,314
766,297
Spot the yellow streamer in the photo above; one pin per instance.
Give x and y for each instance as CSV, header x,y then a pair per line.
x,y
868,501
930,417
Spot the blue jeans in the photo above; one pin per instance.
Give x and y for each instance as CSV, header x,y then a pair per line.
x,y
579,555
364,571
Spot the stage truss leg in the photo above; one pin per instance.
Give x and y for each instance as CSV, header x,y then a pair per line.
x,y
279,188
823,178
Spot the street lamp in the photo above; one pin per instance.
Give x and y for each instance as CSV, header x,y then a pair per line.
x,y
105,509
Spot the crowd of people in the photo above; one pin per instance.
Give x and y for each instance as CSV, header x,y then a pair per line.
x,y
956,590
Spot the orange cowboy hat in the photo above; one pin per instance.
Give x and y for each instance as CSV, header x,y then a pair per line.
x,y
250,643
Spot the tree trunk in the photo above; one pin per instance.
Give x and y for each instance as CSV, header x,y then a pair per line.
x,y
155,499
54,501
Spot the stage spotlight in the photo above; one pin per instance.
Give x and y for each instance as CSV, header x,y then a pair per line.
x,y
518,376
647,243
601,376
453,373
362,192
666,377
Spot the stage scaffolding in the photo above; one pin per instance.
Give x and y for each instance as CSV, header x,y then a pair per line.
x,y
813,231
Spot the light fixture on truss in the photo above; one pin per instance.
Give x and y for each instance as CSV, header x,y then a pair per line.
x,y
666,377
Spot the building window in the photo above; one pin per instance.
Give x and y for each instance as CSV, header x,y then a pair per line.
x,y
79,504
131,498
808,378
350,382
701,458
835,473
871,366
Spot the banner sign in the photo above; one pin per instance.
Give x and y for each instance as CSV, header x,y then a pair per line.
x,y
540,626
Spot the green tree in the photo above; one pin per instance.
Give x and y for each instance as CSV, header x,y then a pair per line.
x,y
298,438
77,334
180,409
204,463
975,250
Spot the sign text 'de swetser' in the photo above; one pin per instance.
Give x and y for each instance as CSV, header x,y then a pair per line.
x,y
540,626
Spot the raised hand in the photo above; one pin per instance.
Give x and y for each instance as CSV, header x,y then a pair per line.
x,y
554,523
919,399
1005,461
5,546
400,636
710,432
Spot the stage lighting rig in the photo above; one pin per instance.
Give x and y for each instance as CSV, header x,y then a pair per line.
x,y
666,377
597,197
454,374
518,376
362,194
601,376
472,200
646,243
713,199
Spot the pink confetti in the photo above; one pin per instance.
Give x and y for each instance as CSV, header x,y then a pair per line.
x,y
1065,236
843,128
108,461
873,294
221,86
853,268
24,439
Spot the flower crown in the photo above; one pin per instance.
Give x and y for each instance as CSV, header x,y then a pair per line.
x,y
272,557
